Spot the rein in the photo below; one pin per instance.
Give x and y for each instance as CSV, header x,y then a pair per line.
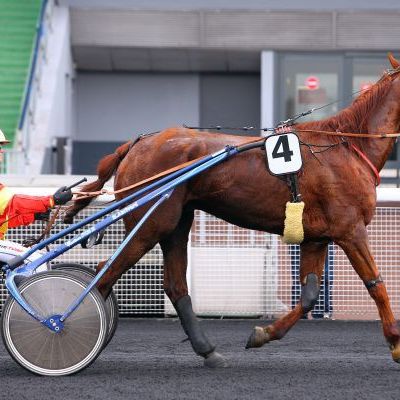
x,y
348,134
29,242
84,195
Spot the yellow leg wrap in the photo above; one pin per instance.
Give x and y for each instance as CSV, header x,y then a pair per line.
x,y
293,232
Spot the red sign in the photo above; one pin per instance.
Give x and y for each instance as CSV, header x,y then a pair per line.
x,y
312,82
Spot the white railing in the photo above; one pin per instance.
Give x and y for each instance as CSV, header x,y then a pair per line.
x,y
238,272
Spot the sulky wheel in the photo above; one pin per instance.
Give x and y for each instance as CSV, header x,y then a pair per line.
x,y
41,350
111,302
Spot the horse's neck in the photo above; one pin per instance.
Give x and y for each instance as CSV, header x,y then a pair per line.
x,y
384,119
378,150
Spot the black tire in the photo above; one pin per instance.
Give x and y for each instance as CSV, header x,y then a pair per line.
x,y
111,302
42,351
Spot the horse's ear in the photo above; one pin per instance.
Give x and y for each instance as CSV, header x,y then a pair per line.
x,y
393,61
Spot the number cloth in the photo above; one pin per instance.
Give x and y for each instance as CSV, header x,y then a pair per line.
x,y
19,209
283,153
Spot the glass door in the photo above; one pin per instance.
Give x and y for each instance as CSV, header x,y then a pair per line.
x,y
310,81
367,71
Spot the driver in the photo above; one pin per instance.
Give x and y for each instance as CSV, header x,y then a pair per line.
x,y
20,209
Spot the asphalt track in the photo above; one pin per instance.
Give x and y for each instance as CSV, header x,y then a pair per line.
x,y
146,360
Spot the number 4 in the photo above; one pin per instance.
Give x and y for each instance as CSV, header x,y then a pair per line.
x,y
285,152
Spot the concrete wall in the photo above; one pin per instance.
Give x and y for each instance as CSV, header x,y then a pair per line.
x,y
288,29
113,108
234,4
231,100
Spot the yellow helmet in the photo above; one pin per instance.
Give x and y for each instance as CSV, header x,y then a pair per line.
x,y
3,139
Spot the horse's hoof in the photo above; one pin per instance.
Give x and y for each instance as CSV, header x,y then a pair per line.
x,y
258,338
396,353
215,360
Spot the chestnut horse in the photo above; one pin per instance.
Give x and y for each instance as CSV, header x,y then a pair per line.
x,y
337,187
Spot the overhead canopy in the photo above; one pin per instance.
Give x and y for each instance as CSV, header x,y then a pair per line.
x,y
120,35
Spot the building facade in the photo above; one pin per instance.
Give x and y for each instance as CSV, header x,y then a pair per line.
x,y
141,66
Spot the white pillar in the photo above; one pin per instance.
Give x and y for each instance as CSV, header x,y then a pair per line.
x,y
269,100
269,80
52,97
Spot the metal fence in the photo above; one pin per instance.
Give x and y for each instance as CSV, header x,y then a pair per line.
x,y
238,272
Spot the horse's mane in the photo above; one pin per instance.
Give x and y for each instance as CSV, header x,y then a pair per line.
x,y
355,117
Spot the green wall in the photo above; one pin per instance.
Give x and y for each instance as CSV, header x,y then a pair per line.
x,y
18,19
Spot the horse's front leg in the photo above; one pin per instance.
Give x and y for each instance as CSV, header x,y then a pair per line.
x,y
312,260
358,251
174,249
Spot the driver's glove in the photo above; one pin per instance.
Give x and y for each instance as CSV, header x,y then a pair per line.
x,y
62,196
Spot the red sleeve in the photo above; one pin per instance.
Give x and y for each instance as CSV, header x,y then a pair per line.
x,y
22,208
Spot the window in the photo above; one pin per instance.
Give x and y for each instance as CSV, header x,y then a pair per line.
x,y
310,81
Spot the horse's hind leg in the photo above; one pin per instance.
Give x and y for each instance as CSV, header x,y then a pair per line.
x,y
160,224
130,255
312,259
174,249
357,250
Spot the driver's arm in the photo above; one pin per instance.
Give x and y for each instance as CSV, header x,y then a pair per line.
x,y
22,208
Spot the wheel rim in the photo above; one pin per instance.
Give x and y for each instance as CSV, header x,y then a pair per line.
x,y
39,349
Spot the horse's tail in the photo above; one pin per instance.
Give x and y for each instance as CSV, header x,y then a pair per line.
x,y
105,169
